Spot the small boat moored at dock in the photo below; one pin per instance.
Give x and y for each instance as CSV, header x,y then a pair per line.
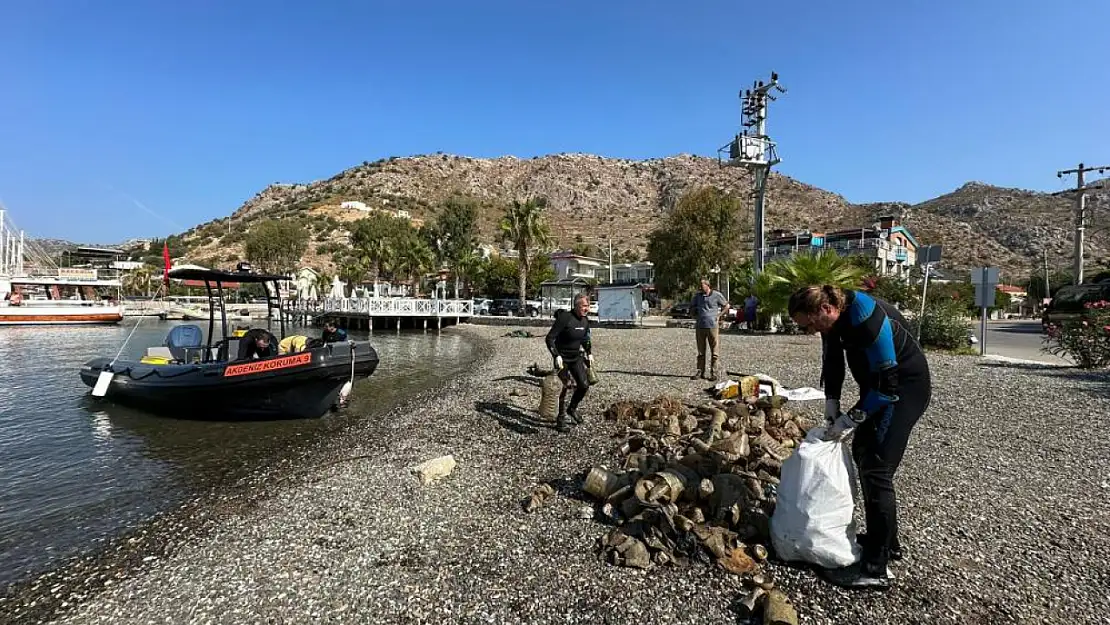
x,y
189,377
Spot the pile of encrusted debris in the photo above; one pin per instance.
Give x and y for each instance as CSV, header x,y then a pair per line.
x,y
698,484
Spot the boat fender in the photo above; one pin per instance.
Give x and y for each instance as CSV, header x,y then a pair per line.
x,y
102,382
345,392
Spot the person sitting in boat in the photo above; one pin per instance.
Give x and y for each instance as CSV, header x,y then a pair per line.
x,y
257,343
333,333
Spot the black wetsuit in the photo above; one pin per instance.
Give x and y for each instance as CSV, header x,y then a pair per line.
x,y
568,337
338,336
248,349
895,390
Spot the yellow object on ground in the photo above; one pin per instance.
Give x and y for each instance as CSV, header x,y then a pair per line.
x,y
730,391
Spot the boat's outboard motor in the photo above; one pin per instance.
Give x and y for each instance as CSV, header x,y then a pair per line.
x,y
184,339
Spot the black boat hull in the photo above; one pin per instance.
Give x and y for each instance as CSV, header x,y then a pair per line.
x,y
297,386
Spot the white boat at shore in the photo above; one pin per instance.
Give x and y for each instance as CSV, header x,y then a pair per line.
x,y
72,296
58,307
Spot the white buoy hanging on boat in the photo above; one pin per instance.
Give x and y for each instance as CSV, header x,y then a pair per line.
x,y
345,392
102,382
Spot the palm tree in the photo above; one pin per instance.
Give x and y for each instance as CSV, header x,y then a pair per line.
x,y
774,285
772,291
824,267
468,266
523,226
352,270
323,284
414,256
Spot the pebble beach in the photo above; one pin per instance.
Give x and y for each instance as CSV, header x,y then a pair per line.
x,y
1003,499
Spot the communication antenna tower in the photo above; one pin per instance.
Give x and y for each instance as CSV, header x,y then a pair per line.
x,y
753,150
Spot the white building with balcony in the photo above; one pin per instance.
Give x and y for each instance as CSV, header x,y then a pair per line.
x,y
634,273
891,246
570,265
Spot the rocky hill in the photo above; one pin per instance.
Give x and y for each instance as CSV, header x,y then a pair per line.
x,y
594,200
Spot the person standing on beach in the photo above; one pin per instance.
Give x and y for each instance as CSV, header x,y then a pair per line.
x,y
568,340
895,389
751,303
708,306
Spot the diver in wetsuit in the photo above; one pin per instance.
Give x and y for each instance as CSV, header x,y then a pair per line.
x,y
895,389
257,343
332,334
566,340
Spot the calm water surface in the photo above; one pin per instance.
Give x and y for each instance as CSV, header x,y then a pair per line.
x,y
74,470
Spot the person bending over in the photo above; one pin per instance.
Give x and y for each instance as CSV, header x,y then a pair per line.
x,y
257,343
895,390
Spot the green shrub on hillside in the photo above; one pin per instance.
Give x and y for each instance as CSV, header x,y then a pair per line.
x,y
330,248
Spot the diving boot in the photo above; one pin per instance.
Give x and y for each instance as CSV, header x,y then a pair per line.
x,y
700,369
561,422
860,576
573,414
895,551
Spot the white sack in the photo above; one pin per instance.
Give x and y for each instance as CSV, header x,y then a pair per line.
x,y
814,515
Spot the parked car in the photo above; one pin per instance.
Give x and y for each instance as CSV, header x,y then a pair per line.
x,y
680,310
503,307
1068,302
481,305
511,307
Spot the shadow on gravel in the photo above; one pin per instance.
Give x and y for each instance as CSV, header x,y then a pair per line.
x,y
1093,383
646,374
519,378
512,417
1028,366
570,487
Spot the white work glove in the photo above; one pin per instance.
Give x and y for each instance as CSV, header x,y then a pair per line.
x,y
844,424
832,410
558,363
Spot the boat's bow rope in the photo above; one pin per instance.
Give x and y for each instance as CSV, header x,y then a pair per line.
x,y
157,295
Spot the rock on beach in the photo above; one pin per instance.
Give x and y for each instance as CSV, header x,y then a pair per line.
x,y
1003,496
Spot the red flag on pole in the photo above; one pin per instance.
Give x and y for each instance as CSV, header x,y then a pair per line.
x,y
166,258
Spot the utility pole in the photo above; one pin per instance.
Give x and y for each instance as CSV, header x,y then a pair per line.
x,y
1081,212
754,150
610,260
1047,291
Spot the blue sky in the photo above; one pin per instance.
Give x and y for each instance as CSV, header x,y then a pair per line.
x,y
143,118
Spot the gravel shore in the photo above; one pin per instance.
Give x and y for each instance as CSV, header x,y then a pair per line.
x,y
1003,495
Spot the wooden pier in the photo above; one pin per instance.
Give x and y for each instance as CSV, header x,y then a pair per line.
x,y
381,313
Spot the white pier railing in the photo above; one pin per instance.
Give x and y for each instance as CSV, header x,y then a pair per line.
x,y
386,306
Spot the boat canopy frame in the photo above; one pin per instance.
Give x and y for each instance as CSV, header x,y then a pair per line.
x,y
242,276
